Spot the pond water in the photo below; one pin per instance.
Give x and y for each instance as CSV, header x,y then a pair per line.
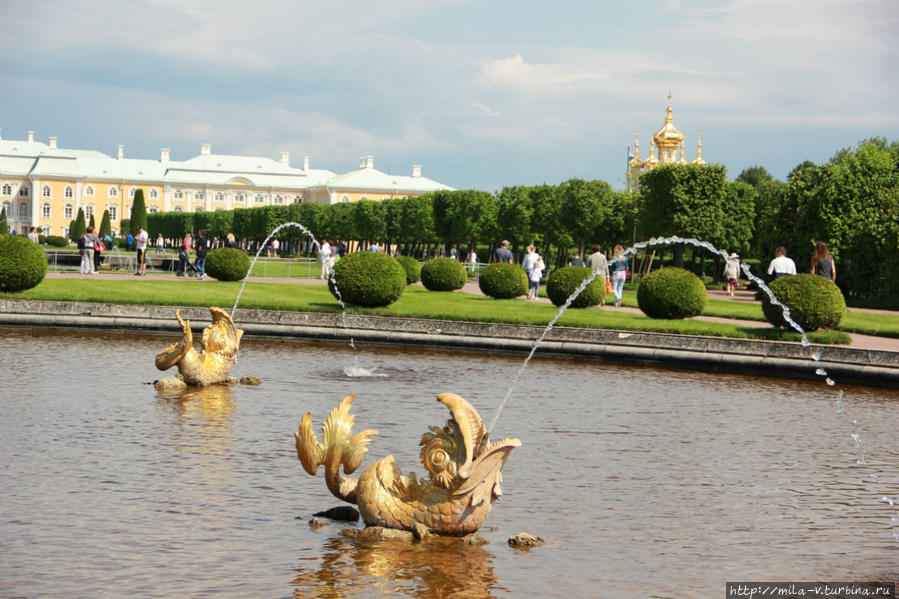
x,y
645,482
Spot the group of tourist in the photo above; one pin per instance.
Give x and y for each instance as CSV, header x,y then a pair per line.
x,y
329,253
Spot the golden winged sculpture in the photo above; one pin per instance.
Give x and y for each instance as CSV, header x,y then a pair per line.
x,y
220,342
465,471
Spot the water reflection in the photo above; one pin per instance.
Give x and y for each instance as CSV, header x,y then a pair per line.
x,y
435,568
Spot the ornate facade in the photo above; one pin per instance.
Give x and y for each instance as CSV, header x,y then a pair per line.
x,y
44,186
670,145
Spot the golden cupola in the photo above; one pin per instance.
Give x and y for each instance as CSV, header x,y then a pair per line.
x,y
670,144
668,139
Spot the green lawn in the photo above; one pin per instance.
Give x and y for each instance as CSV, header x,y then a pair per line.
x,y
416,302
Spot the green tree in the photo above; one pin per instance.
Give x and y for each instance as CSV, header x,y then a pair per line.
x,y
546,219
80,227
586,210
755,176
464,215
4,225
686,200
105,225
369,220
138,212
514,215
92,223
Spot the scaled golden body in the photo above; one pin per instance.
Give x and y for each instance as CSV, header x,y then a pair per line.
x,y
220,342
465,471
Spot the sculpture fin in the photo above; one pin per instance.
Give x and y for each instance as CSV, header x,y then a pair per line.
x,y
355,449
309,450
486,473
470,426
173,354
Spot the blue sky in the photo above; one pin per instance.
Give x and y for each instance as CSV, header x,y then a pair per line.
x,y
481,94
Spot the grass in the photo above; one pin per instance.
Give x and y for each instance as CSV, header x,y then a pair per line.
x,y
416,302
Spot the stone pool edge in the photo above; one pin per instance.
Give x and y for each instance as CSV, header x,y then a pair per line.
x,y
709,354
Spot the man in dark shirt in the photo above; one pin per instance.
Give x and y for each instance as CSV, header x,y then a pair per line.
x,y
503,253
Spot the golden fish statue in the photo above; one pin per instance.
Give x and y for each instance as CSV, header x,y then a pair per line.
x,y
220,342
465,471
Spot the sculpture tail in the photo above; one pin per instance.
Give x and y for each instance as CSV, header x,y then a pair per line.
x,y
337,448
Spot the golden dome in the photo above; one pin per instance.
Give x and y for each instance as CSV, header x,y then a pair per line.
x,y
668,137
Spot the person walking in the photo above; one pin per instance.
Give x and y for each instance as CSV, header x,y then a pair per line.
x,y
184,255
141,246
202,249
503,254
32,235
732,272
88,240
822,263
576,259
160,244
619,273
533,265
324,256
781,266
600,266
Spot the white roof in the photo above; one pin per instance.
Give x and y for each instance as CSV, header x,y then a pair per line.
x,y
23,158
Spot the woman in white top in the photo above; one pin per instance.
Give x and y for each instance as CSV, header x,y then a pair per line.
x,y
533,265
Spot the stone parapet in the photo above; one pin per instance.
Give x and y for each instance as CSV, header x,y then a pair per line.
x,y
710,354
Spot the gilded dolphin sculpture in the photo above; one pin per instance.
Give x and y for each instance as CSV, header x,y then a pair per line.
x,y
220,342
465,471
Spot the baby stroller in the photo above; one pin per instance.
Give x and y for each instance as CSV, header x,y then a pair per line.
x,y
186,267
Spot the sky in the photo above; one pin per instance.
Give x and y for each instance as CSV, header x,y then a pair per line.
x,y
482,94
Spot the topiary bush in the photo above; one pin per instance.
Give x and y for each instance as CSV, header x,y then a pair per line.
x,y
227,264
671,293
55,240
564,281
367,279
443,274
502,280
412,268
22,263
814,302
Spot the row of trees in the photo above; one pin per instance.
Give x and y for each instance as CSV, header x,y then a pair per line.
x,y
851,202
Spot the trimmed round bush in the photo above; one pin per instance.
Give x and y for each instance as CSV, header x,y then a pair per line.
x,y
814,302
22,263
671,293
367,279
443,274
412,268
502,280
227,264
55,241
564,281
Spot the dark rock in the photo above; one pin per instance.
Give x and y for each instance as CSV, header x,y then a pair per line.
x,y
474,539
524,539
377,533
249,380
344,513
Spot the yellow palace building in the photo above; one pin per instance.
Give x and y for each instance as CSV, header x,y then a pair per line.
x,y
43,185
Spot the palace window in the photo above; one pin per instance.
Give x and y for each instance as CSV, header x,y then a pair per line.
x,y
8,207
67,211
89,192
152,209
45,191
23,191
45,230
179,195
297,199
23,210
198,209
239,197
88,211
45,210
385,198
178,208
200,195
113,192
219,196
7,189
131,193
113,211
260,199
345,199
68,193
364,198
65,231
279,199
154,195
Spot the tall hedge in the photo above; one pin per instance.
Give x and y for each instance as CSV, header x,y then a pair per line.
x,y
80,227
105,225
138,212
4,225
